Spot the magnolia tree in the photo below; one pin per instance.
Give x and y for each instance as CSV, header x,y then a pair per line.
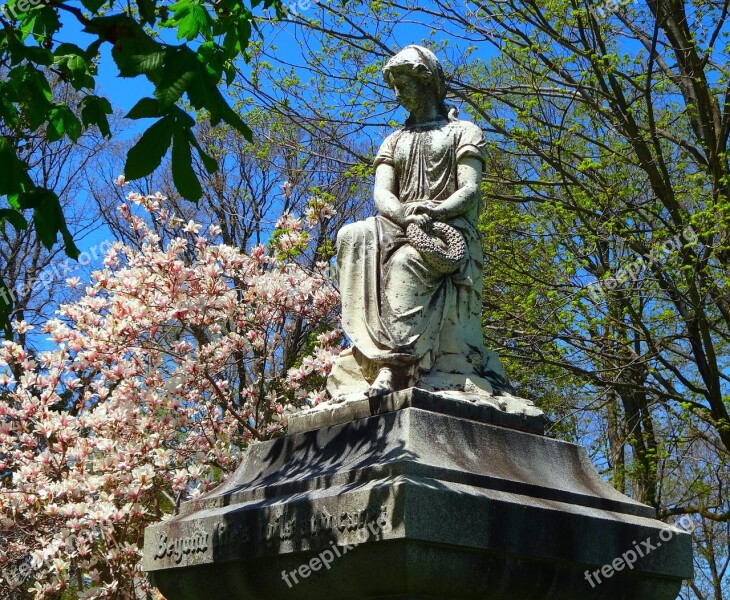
x,y
159,376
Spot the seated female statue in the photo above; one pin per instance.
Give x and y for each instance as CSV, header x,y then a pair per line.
x,y
411,278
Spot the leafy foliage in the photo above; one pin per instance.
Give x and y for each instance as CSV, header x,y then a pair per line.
x,y
606,225
214,34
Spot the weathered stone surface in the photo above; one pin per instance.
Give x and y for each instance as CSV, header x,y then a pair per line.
x,y
440,507
411,278
497,410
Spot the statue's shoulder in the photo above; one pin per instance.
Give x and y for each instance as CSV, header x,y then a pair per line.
x,y
386,152
468,139
393,136
467,128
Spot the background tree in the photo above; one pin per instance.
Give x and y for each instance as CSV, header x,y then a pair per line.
x,y
606,228
605,223
38,44
162,374
35,275
283,171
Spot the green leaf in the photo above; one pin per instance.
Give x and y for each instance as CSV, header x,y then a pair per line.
x,y
61,121
38,55
35,81
27,25
9,113
244,33
13,201
190,18
147,11
66,48
34,94
146,108
94,111
231,117
13,171
45,23
74,65
177,75
203,93
48,219
6,307
14,218
183,175
45,220
147,63
211,165
93,5
130,41
147,154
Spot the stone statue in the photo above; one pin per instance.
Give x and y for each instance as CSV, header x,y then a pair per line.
x,y
411,278
453,470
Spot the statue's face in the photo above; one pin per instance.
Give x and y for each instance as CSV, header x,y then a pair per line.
x,y
411,90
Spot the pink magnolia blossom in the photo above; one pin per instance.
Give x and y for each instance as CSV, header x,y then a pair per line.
x,y
158,378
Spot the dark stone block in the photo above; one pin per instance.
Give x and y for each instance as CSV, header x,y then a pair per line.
x,y
436,506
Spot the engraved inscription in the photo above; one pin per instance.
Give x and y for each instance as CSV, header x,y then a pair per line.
x,y
236,537
284,527
227,534
176,548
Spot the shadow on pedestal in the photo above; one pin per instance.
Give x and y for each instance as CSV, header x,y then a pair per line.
x,y
415,504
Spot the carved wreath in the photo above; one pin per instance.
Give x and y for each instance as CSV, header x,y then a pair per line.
x,y
442,247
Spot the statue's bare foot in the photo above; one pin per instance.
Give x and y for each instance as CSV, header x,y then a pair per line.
x,y
383,384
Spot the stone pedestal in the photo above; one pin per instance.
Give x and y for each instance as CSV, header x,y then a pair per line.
x,y
503,410
416,504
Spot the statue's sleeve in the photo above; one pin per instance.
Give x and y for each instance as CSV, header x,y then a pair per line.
x,y
471,143
386,152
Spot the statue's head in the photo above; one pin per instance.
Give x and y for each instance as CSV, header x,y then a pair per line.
x,y
416,69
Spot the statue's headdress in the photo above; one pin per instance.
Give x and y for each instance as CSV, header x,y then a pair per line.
x,y
424,63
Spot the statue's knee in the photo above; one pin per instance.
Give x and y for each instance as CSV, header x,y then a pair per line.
x,y
348,234
344,235
406,255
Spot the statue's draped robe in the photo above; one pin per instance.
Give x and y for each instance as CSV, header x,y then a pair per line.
x,y
395,309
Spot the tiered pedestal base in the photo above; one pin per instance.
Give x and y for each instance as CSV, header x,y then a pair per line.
x,y
415,504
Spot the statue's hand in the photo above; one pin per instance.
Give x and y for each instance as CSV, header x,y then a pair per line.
x,y
420,220
427,207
